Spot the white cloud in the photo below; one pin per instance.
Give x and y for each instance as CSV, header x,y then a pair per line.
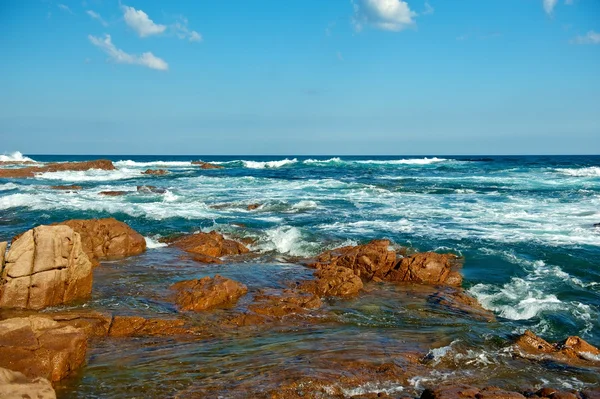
x,y
591,37
549,6
141,23
183,32
392,15
97,17
65,8
148,59
428,9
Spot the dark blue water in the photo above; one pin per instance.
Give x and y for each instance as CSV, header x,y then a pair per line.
x,y
525,225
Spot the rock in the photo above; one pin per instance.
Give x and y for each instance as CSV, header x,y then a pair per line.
x,y
15,385
333,281
468,392
281,303
132,326
572,350
206,165
207,293
2,255
46,266
113,193
367,261
151,189
374,261
40,347
71,187
206,259
155,172
107,238
252,207
426,268
210,244
31,171
458,301
591,394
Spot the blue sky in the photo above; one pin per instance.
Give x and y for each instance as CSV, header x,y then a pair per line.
x,y
300,77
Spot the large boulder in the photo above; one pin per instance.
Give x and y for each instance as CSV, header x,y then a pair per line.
x,y
15,385
573,350
45,266
40,347
427,268
212,245
207,293
102,164
107,238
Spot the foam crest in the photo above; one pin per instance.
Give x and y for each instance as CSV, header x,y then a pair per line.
x,y
91,175
164,164
15,157
269,164
592,171
322,161
152,243
411,161
305,205
287,240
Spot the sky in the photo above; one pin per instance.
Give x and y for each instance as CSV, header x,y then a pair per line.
x,y
300,77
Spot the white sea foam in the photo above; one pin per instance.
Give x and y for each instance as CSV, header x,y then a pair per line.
x,y
15,157
269,164
152,242
411,161
168,196
287,240
164,164
91,175
592,171
8,186
372,388
305,205
322,161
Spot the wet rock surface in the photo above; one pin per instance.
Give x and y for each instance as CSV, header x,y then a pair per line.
x,y
206,165
31,171
333,281
113,193
72,187
207,293
573,350
15,385
459,301
45,266
212,244
155,172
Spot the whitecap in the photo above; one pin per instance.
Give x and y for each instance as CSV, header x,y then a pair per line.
x,y
15,157
164,164
322,161
305,205
152,243
287,240
8,186
91,175
592,171
410,161
269,164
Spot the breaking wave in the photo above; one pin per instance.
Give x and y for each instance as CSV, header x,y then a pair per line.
x,y
15,157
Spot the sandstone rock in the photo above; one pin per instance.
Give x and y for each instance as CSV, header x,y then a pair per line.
x,y
210,244
2,255
207,293
333,281
572,350
151,189
458,301
206,165
132,326
31,171
40,347
113,193
107,238
281,303
15,385
426,268
71,187
155,172
45,267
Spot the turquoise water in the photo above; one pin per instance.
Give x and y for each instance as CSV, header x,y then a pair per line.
x,y
525,226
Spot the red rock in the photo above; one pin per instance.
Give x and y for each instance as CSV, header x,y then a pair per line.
x,y
572,350
281,303
107,238
132,326
252,207
113,193
45,266
71,187
40,347
156,172
31,171
207,293
426,268
206,165
333,281
15,385
210,244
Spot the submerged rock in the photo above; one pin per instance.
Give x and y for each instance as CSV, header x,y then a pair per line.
x,y
134,326
151,189
107,238
206,165
252,207
155,172
113,193
45,266
458,301
571,350
15,385
207,293
468,392
40,347
210,244
31,171
71,187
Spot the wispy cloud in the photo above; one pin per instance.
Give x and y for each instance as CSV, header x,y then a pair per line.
x,y
119,56
65,8
97,17
392,15
141,23
183,32
591,37
549,6
428,9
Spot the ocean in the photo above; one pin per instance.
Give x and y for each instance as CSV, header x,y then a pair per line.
x,y
524,225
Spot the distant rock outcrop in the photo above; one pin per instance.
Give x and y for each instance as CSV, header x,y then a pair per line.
x,y
156,172
206,165
31,171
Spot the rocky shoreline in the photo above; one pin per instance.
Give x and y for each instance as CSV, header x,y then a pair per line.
x,y
48,268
